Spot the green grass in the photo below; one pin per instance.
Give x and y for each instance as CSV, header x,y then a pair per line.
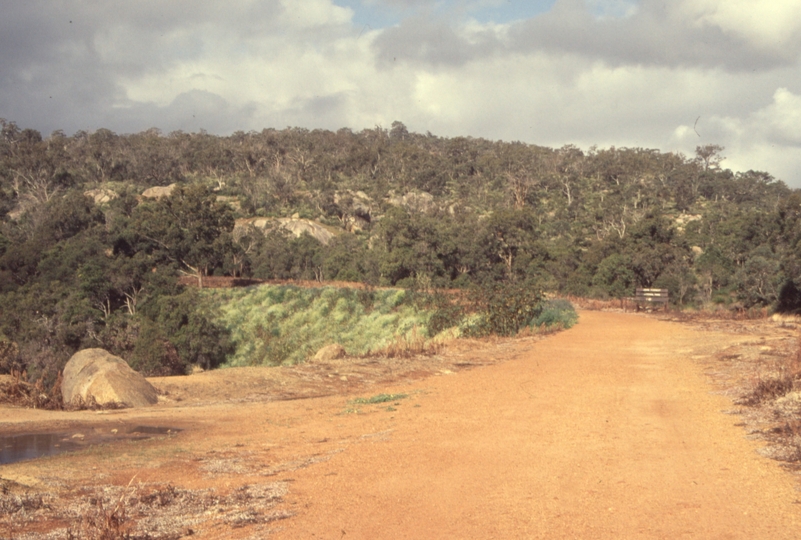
x,y
284,325
379,398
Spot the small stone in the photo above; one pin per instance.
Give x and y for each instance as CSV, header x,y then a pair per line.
x,y
330,352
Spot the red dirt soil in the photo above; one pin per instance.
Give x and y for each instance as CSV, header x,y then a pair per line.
x,y
609,430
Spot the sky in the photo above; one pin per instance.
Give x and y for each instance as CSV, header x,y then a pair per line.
x,y
665,74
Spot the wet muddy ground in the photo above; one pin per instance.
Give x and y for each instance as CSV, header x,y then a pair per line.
x,y
26,446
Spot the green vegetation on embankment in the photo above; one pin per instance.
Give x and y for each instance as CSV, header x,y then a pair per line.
x,y
273,325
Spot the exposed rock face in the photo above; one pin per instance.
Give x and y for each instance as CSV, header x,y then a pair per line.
x,y
233,202
414,201
98,374
358,202
330,352
296,226
101,196
158,192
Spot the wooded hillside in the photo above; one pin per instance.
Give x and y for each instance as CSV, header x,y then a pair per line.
x,y
86,259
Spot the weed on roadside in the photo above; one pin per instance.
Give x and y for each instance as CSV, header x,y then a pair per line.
x,y
379,398
773,398
767,388
783,379
353,404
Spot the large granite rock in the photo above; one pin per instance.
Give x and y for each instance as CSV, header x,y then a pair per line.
x,y
98,374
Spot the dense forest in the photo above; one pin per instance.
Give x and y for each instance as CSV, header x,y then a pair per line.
x,y
87,260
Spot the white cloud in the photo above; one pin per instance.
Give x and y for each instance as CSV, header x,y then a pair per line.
x,y
773,24
782,118
767,138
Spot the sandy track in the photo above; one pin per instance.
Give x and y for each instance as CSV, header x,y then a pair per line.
x,y
608,430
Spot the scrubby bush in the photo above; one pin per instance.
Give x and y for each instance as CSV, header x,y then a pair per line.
x,y
504,309
188,321
446,313
153,355
556,313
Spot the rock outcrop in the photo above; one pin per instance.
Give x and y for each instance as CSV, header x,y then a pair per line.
x,y
101,196
158,192
99,375
296,226
418,202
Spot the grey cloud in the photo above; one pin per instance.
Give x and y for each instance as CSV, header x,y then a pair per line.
x,y
189,111
324,112
431,41
402,3
62,61
653,35
50,75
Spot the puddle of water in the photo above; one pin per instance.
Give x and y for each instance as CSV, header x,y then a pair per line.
x,y
16,448
154,430
22,447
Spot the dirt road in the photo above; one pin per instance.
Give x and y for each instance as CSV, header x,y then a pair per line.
x,y
608,430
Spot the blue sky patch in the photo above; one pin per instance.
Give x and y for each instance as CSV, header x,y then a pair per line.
x,y
377,14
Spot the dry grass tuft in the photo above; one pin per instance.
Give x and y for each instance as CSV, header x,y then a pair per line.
x,y
17,391
785,378
767,388
34,395
721,314
407,346
139,512
773,398
104,523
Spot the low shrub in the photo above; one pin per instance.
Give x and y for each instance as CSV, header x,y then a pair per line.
x,y
154,355
556,313
503,309
446,312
